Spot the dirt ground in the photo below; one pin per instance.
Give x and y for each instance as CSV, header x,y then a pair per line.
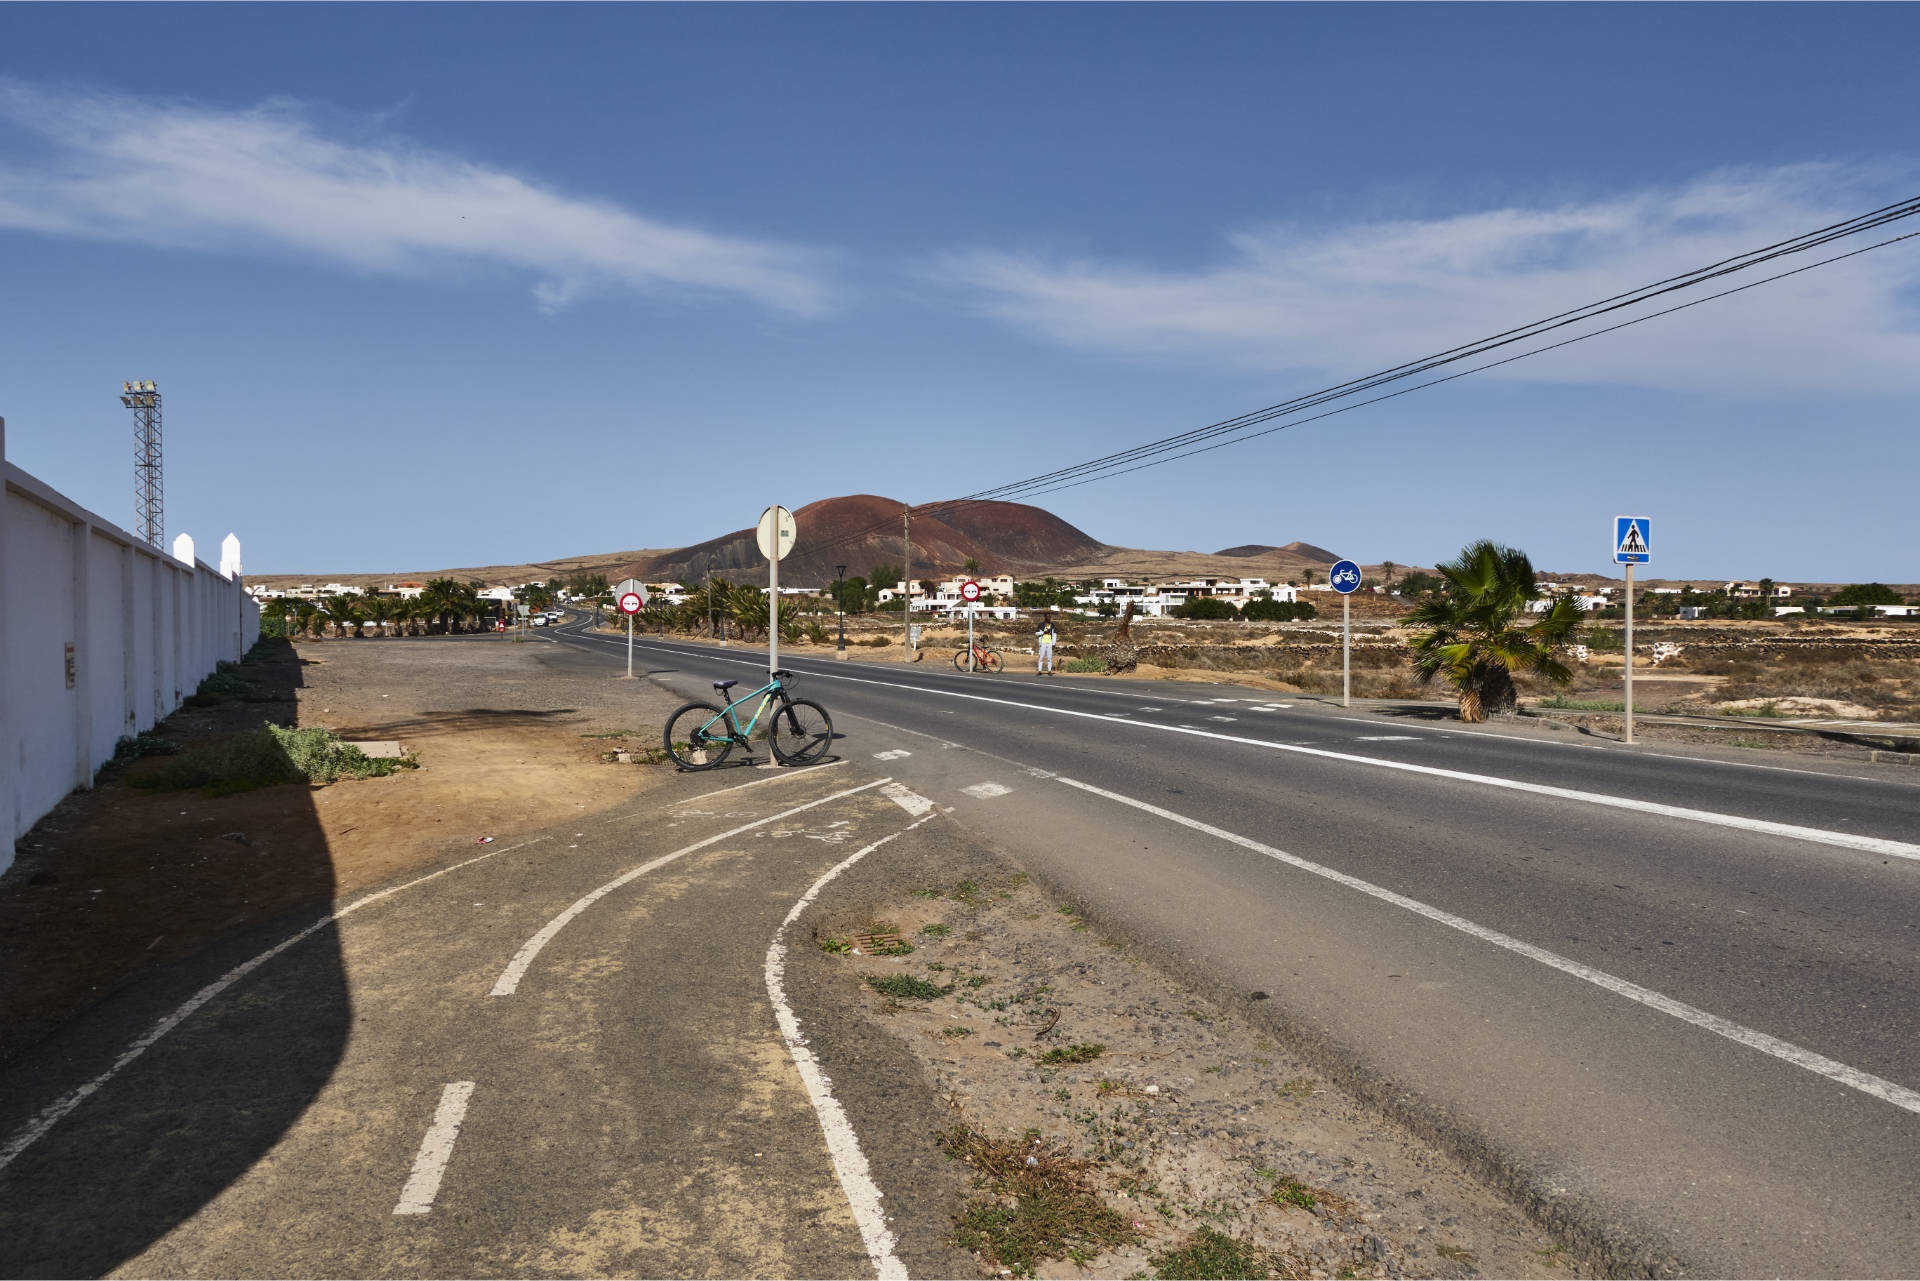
x,y
116,880
1184,1118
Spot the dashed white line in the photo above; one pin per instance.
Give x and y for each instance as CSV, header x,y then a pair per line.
x,y
1851,1077
49,1116
893,755
843,1144
1388,738
1223,718
987,791
509,980
436,1149
910,801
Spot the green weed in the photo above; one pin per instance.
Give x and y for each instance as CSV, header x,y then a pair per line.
x,y
1085,1052
906,987
266,756
1209,1254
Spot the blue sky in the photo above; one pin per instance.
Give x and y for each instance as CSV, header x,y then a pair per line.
x,y
442,285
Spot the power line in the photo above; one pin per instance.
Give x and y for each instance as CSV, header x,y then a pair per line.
x,y
1237,429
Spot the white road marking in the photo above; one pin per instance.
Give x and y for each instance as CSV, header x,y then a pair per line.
x,y
1819,836
48,1117
1851,1077
986,791
843,1145
910,801
1150,709
1223,718
893,755
722,791
1388,738
509,980
436,1149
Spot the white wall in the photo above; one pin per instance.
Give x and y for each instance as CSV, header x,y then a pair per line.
x,y
144,627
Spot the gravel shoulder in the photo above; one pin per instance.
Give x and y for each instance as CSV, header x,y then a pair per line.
x,y
1207,1144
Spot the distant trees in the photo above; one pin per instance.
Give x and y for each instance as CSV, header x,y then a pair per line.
x,y
1474,635
1420,583
1269,610
1205,607
1865,594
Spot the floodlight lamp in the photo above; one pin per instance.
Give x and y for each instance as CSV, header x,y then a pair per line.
x,y
126,386
127,401
149,386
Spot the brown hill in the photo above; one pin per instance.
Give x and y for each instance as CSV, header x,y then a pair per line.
x,y
863,530
1296,551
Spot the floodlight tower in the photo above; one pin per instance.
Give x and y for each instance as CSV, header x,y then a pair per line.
x,y
143,398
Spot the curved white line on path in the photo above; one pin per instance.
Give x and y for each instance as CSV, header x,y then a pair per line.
x,y
509,980
1851,1077
843,1145
1792,831
50,1116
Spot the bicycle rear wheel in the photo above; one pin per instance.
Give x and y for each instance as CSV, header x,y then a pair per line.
x,y
801,732
992,662
960,660
690,741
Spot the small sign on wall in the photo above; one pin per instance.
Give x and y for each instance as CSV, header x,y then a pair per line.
x,y
73,667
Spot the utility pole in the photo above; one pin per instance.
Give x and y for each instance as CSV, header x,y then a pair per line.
x,y
840,595
906,568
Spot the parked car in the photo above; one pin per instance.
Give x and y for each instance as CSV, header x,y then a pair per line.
x,y
538,620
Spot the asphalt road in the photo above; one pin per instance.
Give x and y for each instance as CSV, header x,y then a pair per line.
x,y
1668,999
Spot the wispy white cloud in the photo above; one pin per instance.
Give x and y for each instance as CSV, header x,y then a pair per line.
x,y
274,178
1348,299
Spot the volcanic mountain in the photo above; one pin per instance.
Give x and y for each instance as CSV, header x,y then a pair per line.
x,y
1294,550
864,530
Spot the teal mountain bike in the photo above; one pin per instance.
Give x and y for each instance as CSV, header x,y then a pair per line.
x,y
701,736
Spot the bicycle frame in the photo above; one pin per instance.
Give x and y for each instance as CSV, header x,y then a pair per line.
x,y
771,689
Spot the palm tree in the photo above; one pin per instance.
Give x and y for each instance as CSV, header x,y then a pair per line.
x,y
1475,638
381,611
972,566
1308,575
1389,567
344,613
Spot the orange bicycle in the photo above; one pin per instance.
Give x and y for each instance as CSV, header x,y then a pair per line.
x,y
984,659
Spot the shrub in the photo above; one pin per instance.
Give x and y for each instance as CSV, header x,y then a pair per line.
x,y
1086,1052
266,756
146,743
1206,607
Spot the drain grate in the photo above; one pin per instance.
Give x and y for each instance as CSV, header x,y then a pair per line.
x,y
882,943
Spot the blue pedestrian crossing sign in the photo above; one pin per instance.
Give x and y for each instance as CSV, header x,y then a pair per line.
x,y
1632,540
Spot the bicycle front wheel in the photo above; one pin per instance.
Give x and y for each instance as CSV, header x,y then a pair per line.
x,y
960,661
801,732
992,662
696,739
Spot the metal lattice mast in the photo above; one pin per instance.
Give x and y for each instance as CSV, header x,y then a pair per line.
x,y
143,398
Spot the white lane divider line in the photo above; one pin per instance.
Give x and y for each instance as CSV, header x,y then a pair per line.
x,y
893,755
509,980
987,791
1388,738
436,1149
1150,709
1223,718
843,1144
49,1116
1851,1077
1818,836
722,791
910,801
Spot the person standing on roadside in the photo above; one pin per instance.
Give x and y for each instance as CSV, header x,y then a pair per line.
x,y
1046,636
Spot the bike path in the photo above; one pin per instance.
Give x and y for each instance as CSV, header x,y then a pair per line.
x,y
629,1109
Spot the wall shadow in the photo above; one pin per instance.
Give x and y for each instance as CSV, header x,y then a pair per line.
x,y
206,1101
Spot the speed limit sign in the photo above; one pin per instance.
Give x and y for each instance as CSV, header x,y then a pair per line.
x,y
630,603
969,590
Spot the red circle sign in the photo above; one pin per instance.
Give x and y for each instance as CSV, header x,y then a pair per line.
x,y
630,603
970,590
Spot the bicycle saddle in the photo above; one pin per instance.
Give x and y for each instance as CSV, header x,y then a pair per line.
x,y
724,686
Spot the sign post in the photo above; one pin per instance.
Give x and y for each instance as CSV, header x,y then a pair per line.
x,y
630,597
970,592
1345,578
1632,545
775,535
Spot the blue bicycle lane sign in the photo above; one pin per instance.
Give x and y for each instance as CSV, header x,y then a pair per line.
x,y
1344,577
